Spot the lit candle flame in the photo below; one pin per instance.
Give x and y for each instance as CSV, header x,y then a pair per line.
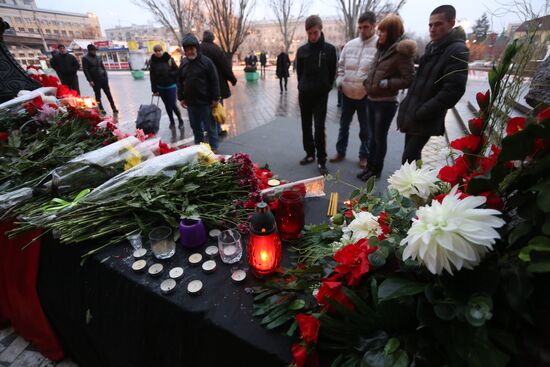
x,y
264,255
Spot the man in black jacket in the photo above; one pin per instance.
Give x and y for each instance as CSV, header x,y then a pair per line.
x,y
66,66
95,73
438,85
316,70
223,66
199,91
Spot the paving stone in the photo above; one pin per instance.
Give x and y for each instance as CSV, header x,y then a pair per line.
x,y
28,359
5,332
13,350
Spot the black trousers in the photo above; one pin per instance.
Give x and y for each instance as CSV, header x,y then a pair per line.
x,y
98,86
413,147
285,79
313,109
70,81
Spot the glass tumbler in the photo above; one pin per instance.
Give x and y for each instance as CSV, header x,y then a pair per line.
x,y
230,246
162,242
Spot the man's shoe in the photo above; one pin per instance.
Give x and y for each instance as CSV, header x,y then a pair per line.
x,y
366,176
337,158
307,160
322,169
363,163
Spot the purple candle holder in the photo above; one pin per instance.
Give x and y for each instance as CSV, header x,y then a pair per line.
x,y
192,233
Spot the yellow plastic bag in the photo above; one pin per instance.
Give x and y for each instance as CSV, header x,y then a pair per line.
x,y
219,114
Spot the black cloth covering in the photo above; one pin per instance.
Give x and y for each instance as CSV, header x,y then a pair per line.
x,y
108,315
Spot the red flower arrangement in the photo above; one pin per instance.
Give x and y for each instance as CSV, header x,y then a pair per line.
x,y
515,125
483,99
353,261
164,148
331,289
467,144
64,91
303,352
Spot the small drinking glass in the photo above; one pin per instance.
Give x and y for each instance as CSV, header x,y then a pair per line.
x,y
230,246
162,242
135,241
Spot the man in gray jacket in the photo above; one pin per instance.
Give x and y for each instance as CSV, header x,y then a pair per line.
x,y
353,67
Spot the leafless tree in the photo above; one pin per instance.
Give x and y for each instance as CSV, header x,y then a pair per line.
x,y
230,20
350,10
177,16
284,11
524,9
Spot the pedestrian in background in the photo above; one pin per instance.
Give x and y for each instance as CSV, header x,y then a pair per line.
x,y
263,62
316,70
283,64
163,74
66,66
353,66
95,73
223,66
199,91
439,83
391,70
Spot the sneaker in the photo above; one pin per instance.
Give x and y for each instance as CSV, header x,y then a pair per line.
x,y
307,160
322,169
337,158
363,163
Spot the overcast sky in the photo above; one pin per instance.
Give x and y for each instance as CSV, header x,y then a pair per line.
x,y
415,12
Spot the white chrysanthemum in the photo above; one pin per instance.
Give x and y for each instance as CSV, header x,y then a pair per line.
x,y
410,180
453,232
364,225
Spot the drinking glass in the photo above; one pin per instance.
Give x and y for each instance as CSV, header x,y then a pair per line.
x,y
162,242
290,215
230,246
135,241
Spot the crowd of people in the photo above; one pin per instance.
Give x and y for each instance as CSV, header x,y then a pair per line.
x,y
369,71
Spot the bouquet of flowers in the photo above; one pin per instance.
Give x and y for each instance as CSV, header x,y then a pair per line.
x,y
446,268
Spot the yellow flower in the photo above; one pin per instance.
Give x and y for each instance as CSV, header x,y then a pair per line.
x,y
134,158
207,157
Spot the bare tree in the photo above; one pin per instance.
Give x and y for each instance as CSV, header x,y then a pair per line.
x,y
178,16
350,10
283,10
230,20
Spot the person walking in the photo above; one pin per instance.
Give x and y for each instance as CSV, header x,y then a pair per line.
x,y
66,66
391,70
223,66
354,63
263,62
95,73
199,91
439,83
316,70
283,64
163,74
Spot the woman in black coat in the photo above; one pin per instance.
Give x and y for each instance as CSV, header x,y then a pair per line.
x,y
163,73
283,64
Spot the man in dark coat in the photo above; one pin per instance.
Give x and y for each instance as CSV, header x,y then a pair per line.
x,y
263,62
66,66
95,73
199,91
283,64
316,71
223,66
438,86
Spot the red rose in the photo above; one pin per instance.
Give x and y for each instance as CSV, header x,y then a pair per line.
x,y
299,355
309,327
382,218
332,290
544,114
354,261
475,125
483,99
348,214
4,136
515,125
467,144
449,174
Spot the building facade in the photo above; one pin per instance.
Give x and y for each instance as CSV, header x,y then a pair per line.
x,y
139,33
35,31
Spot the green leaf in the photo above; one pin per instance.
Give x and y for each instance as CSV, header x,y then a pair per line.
x,y
539,243
370,184
354,193
397,359
292,328
280,321
392,288
519,231
539,266
376,259
297,304
391,346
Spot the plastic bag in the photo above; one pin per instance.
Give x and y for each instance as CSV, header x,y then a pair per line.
x,y
219,114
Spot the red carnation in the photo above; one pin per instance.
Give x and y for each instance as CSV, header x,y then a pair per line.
x,y
4,136
309,327
332,290
449,174
483,99
164,148
475,125
493,201
515,125
467,144
354,261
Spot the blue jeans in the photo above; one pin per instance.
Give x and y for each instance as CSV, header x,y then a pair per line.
x,y
381,114
168,96
349,107
201,119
